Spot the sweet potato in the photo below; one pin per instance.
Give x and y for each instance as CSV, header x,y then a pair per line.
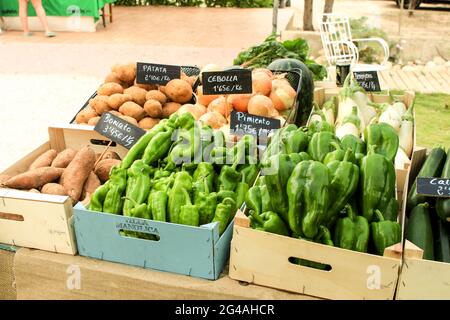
x,y
118,99
44,160
85,115
91,184
77,172
4,178
126,72
93,121
179,91
53,188
137,94
63,159
35,178
133,110
107,155
153,108
103,168
100,104
148,123
109,88
169,108
156,95
129,119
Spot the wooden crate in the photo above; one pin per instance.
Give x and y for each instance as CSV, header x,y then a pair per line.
x,y
193,251
43,221
421,279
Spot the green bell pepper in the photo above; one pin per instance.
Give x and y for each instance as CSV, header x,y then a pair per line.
x,y
352,232
224,213
269,222
385,233
138,186
383,138
189,214
117,184
321,144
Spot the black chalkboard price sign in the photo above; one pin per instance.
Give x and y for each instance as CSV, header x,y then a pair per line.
x,y
118,130
227,82
149,73
242,123
368,80
434,187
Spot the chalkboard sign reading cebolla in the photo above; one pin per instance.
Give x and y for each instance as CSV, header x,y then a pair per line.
x,y
118,130
434,187
227,82
368,80
149,73
242,123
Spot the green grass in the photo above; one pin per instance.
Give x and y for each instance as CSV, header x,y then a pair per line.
x,y
432,119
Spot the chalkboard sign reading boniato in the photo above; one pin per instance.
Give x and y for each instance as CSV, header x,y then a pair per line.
x,y
368,80
227,82
149,73
435,187
242,123
118,130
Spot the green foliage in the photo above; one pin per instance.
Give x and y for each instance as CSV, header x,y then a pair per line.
x,y
198,3
260,56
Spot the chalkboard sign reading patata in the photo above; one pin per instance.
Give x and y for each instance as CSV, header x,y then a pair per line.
x,y
242,123
434,187
118,130
227,82
368,80
149,73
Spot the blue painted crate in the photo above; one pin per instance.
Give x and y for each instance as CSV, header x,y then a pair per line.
x,y
193,251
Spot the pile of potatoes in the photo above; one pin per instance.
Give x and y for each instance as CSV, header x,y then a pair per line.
x,y
140,104
71,173
272,96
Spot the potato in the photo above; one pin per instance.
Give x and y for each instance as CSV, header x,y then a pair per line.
x,y
91,184
107,155
100,104
113,77
118,99
147,87
4,178
93,121
179,91
156,95
77,172
35,178
126,72
85,115
109,88
162,89
130,120
189,79
44,160
63,159
153,108
137,94
133,110
53,188
103,168
34,191
169,108
148,123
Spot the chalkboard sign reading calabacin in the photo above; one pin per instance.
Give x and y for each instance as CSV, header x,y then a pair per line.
x,y
242,123
227,82
434,187
150,73
118,130
368,80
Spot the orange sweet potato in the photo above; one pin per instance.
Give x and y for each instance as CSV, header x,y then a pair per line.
x,y
63,159
35,178
44,160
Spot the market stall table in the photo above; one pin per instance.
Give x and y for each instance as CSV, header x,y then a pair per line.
x,y
63,15
7,286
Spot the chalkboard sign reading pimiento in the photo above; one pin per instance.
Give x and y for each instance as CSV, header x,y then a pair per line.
x,y
368,80
149,73
227,82
434,187
242,123
118,130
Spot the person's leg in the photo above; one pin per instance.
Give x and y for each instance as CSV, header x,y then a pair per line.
x,y
40,12
23,13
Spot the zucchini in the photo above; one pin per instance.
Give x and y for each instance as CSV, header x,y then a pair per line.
x,y
441,234
419,230
443,204
432,167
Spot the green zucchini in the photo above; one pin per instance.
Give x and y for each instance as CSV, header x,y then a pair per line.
x,y
441,234
432,167
443,204
419,230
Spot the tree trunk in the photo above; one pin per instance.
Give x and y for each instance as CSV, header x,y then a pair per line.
x,y
308,16
328,7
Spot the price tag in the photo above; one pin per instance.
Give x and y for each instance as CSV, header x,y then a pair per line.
x,y
242,123
434,187
149,73
118,130
227,82
368,80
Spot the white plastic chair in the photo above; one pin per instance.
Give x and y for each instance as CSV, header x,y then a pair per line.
x,y
338,43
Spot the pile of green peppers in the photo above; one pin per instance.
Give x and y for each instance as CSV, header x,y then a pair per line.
x,y
180,173
316,187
